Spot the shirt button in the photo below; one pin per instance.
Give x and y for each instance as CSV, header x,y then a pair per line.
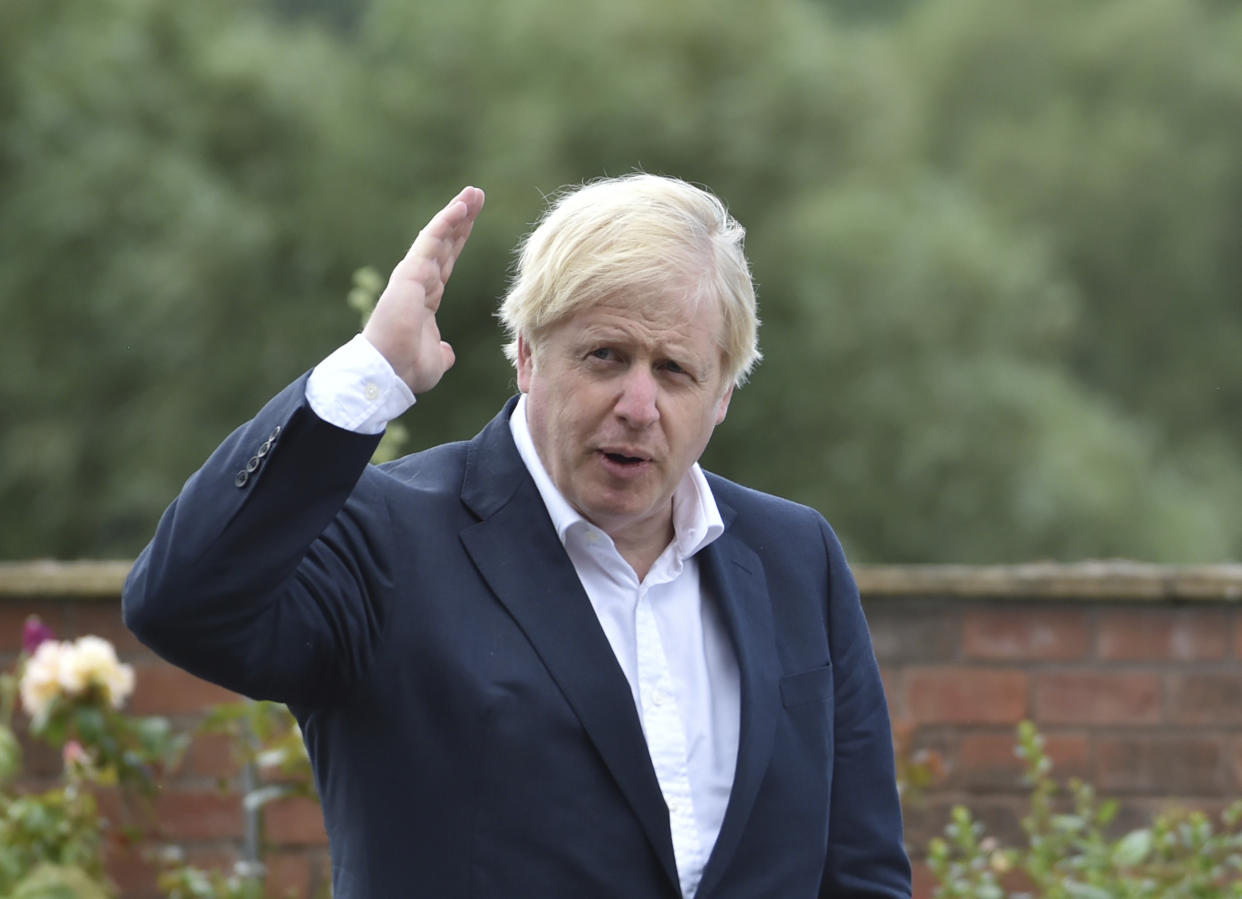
x,y
371,391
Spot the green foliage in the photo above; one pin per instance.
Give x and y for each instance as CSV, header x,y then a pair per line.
x,y
118,749
59,882
52,843
994,242
265,735
194,883
1071,854
50,837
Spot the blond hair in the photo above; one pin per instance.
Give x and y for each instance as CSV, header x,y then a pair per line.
x,y
634,234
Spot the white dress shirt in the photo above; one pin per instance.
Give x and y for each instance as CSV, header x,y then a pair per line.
x,y
666,633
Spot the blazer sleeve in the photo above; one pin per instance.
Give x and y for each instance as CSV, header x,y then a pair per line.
x,y
866,857
267,574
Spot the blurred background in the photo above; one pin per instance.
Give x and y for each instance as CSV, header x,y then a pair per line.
x,y
998,244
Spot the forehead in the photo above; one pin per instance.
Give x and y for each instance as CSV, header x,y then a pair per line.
x,y
674,317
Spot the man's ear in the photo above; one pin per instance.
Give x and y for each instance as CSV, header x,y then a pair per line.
x,y
525,363
723,408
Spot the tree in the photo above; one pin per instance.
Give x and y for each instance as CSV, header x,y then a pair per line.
x,y
970,224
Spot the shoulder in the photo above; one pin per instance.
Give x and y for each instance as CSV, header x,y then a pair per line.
x,y
774,523
436,469
756,510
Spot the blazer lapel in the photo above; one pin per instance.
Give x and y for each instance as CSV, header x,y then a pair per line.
x,y
734,575
517,551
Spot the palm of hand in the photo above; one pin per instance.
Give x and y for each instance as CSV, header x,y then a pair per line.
x,y
403,326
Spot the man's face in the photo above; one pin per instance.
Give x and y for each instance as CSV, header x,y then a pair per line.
x,y
622,398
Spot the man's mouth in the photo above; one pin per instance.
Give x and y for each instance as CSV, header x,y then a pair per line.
x,y
622,458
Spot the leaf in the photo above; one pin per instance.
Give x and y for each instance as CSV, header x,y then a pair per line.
x,y
1086,891
10,755
1133,848
256,799
59,882
1068,823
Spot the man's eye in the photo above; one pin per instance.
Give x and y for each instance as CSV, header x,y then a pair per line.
x,y
674,368
603,353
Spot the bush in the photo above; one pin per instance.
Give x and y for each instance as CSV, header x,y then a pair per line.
x,y
1071,854
53,842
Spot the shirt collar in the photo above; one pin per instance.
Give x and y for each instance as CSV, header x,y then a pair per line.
x,y
696,519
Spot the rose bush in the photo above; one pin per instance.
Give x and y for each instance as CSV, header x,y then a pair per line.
x,y
53,842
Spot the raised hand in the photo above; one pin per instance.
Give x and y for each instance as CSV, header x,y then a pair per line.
x,y
403,326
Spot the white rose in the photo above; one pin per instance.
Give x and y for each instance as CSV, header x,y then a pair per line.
x,y
92,661
41,681
119,685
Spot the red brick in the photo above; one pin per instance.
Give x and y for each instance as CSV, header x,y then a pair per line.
x,y
39,760
199,815
1161,765
1206,698
103,619
210,755
133,872
989,760
1026,632
13,615
1001,817
914,632
1179,635
213,857
1089,698
161,689
892,677
290,873
294,821
966,695
924,880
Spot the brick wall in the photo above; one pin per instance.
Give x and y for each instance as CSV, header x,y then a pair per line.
x,y
1132,672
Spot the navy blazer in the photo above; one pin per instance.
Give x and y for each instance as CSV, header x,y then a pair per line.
x,y
471,732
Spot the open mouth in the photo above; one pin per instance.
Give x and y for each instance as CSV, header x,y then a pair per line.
x,y
624,459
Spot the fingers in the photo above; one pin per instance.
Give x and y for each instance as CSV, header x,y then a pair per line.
x,y
451,225
433,254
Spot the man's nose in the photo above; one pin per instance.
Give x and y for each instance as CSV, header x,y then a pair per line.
x,y
637,403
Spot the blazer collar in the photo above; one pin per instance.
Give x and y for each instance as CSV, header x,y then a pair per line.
x,y
734,574
518,552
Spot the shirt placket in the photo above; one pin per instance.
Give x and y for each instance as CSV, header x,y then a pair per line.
x,y
666,742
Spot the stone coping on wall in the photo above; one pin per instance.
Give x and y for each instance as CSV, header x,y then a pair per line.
x,y
1100,580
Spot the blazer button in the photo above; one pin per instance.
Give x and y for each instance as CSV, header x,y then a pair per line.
x,y
275,434
253,465
242,477
264,449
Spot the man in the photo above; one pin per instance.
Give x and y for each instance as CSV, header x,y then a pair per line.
x,y
558,660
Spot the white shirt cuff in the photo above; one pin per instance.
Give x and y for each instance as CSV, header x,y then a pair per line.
x,y
356,389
